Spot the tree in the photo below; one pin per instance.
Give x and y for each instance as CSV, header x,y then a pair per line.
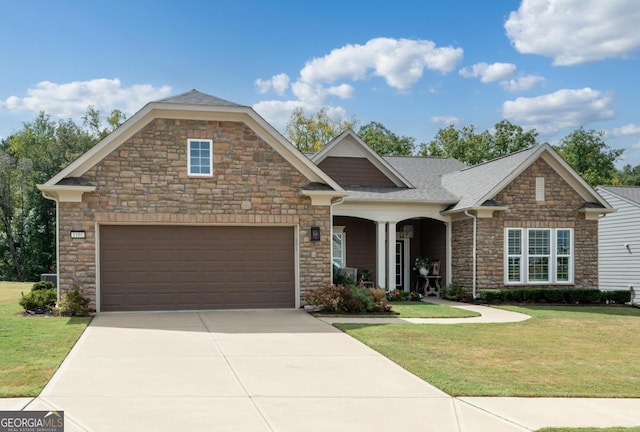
x,y
628,176
473,148
30,157
310,133
587,152
385,142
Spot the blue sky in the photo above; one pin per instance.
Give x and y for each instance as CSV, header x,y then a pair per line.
x,y
414,66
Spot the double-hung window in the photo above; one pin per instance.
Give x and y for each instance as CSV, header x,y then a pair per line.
x,y
538,255
200,160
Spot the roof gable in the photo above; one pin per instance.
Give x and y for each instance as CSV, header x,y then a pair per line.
x,y
194,105
478,184
349,145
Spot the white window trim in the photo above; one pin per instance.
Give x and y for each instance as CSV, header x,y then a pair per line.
x,y
340,230
210,142
524,260
507,255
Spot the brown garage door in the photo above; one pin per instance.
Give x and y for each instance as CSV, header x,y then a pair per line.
x,y
187,267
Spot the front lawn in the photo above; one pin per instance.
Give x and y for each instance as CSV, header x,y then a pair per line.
x,y
429,310
563,351
31,348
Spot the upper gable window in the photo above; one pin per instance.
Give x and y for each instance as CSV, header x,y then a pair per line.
x,y
200,159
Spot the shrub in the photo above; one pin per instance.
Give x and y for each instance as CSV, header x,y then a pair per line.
x,y
73,303
349,299
555,295
42,285
455,293
327,298
394,295
379,298
40,300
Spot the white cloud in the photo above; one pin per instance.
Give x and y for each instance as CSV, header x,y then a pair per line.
x,y
488,72
564,108
445,120
630,129
70,100
279,83
522,83
575,31
401,62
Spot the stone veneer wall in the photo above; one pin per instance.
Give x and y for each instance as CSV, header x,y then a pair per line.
x,y
145,181
559,210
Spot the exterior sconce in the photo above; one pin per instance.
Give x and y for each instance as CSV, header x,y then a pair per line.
x,y
78,234
315,233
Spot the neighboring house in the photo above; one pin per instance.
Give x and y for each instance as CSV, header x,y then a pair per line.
x,y
196,202
619,240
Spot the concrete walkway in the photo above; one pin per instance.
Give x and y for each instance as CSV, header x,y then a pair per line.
x,y
487,315
271,371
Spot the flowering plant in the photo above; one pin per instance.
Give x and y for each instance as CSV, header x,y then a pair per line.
x,y
421,262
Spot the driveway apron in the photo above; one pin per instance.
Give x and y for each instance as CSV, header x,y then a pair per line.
x,y
271,370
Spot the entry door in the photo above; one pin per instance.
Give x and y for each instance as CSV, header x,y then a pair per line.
x,y
402,268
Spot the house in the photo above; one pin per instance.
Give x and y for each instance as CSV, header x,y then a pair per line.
x,y
619,240
196,202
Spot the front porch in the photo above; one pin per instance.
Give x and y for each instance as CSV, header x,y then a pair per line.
x,y
384,251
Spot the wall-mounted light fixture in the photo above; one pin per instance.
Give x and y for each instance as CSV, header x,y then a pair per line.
x,y
78,234
315,233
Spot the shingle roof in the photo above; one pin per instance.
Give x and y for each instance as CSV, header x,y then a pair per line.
x,y
632,193
194,97
474,183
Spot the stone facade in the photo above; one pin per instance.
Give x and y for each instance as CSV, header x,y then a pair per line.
x,y
145,181
558,210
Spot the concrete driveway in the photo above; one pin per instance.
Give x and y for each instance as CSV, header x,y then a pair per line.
x,y
243,371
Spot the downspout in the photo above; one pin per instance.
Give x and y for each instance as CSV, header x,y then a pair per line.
x,y
53,198
475,231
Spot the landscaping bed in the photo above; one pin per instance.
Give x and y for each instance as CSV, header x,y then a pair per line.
x,y
411,309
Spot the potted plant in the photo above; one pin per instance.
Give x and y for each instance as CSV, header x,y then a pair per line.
x,y
422,265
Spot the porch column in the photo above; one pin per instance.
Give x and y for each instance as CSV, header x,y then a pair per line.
x,y
381,236
391,257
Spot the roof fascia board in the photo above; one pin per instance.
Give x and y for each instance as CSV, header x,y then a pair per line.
x,y
392,174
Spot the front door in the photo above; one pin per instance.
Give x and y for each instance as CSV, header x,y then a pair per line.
x,y
402,268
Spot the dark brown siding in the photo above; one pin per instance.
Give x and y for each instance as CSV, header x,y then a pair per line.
x,y
188,267
361,242
347,171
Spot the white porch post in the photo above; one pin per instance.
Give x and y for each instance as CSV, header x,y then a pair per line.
x,y
380,254
391,257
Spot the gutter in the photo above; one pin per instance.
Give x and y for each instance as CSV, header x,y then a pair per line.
x,y
475,232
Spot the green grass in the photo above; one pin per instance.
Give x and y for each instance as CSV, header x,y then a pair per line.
x,y
564,351
614,429
429,310
31,348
